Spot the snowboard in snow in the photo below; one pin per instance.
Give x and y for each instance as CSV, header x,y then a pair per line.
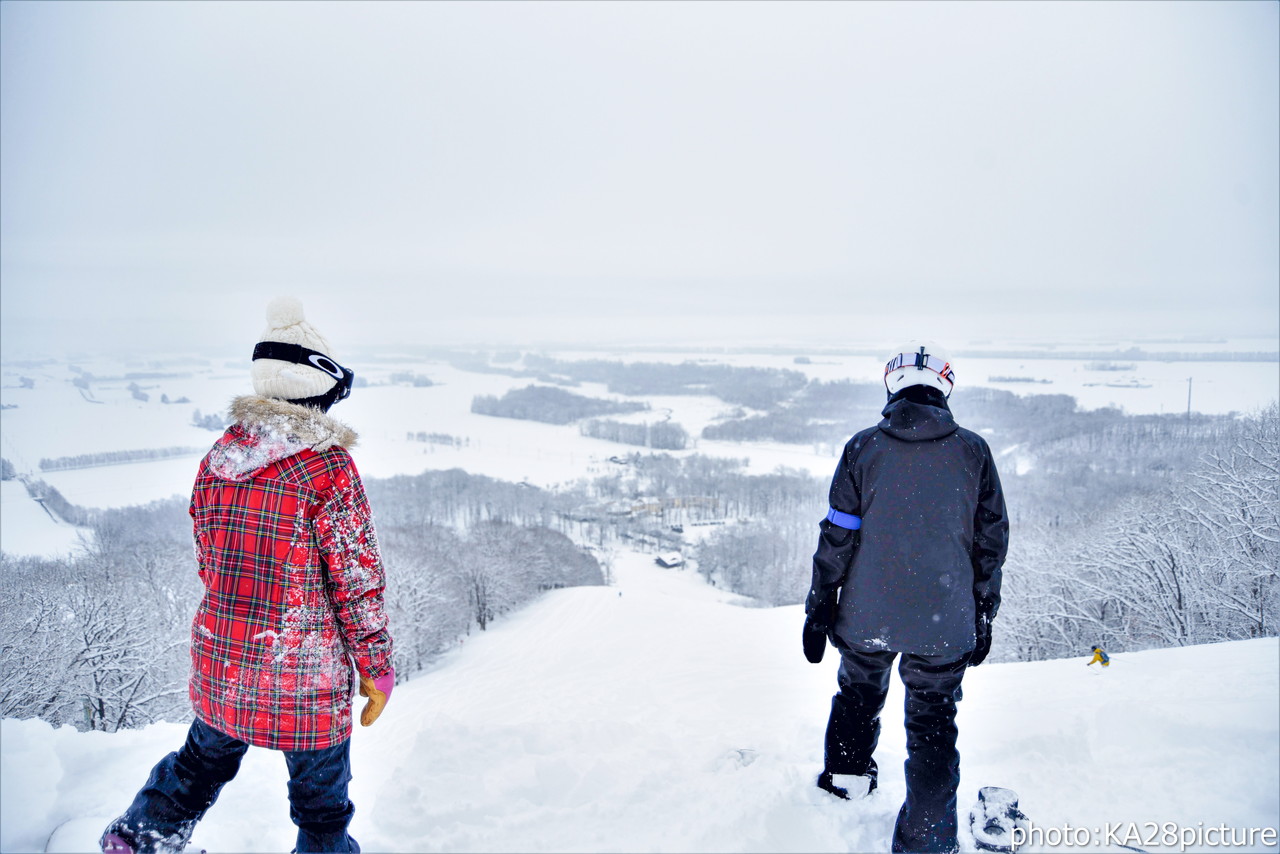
x,y
994,818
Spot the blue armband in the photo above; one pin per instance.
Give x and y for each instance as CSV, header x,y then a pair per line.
x,y
844,520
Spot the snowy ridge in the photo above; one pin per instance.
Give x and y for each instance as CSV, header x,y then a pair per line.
x,y
660,715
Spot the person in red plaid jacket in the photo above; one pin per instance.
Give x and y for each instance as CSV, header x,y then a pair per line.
x,y
293,600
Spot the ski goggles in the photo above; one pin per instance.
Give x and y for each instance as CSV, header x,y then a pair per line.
x,y
920,361
299,355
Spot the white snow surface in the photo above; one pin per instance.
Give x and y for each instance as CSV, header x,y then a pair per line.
x,y
26,528
659,714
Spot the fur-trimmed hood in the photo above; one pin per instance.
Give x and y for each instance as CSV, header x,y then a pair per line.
x,y
266,430
314,429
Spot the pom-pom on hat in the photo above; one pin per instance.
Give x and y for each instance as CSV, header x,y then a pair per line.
x,y
286,324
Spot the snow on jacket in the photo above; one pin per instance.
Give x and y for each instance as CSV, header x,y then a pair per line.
x,y
933,538
293,579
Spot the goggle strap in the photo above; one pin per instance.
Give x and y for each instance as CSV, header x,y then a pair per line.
x,y
920,361
298,355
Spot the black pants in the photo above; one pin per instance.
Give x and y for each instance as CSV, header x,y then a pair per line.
x,y
927,821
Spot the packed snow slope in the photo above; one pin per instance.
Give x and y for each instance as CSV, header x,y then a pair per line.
x,y
659,714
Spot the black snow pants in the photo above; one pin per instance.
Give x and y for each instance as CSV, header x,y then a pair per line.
x,y
927,821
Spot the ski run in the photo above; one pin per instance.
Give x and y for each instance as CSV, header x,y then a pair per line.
x,y
662,714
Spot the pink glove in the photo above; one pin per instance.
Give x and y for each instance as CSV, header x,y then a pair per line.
x,y
378,691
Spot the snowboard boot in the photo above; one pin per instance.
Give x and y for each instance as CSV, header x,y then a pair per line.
x,y
113,844
847,786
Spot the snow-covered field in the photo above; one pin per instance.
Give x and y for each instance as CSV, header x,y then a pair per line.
x,y
1139,387
27,524
53,418
658,715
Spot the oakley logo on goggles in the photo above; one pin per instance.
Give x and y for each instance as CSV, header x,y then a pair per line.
x,y
299,355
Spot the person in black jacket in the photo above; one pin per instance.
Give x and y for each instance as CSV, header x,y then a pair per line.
x,y
908,562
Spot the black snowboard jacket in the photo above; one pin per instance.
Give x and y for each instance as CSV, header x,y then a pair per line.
x,y
933,538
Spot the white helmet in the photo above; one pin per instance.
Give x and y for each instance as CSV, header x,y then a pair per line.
x,y
919,364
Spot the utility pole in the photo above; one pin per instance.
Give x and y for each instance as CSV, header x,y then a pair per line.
x,y
1188,400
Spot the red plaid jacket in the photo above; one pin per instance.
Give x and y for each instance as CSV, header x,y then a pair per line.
x,y
293,580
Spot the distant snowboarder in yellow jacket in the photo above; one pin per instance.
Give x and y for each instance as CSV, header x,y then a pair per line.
x,y
1100,657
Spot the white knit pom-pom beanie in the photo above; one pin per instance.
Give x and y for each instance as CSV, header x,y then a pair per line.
x,y
286,324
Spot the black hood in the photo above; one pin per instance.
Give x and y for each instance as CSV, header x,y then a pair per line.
x,y
914,415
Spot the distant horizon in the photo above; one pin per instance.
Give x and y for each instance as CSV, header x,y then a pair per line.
x,y
372,327
1258,348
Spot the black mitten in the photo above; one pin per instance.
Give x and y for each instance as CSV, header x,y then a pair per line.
x,y
983,630
815,641
820,616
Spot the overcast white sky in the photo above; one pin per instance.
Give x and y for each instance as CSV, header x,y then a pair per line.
x,y
455,172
